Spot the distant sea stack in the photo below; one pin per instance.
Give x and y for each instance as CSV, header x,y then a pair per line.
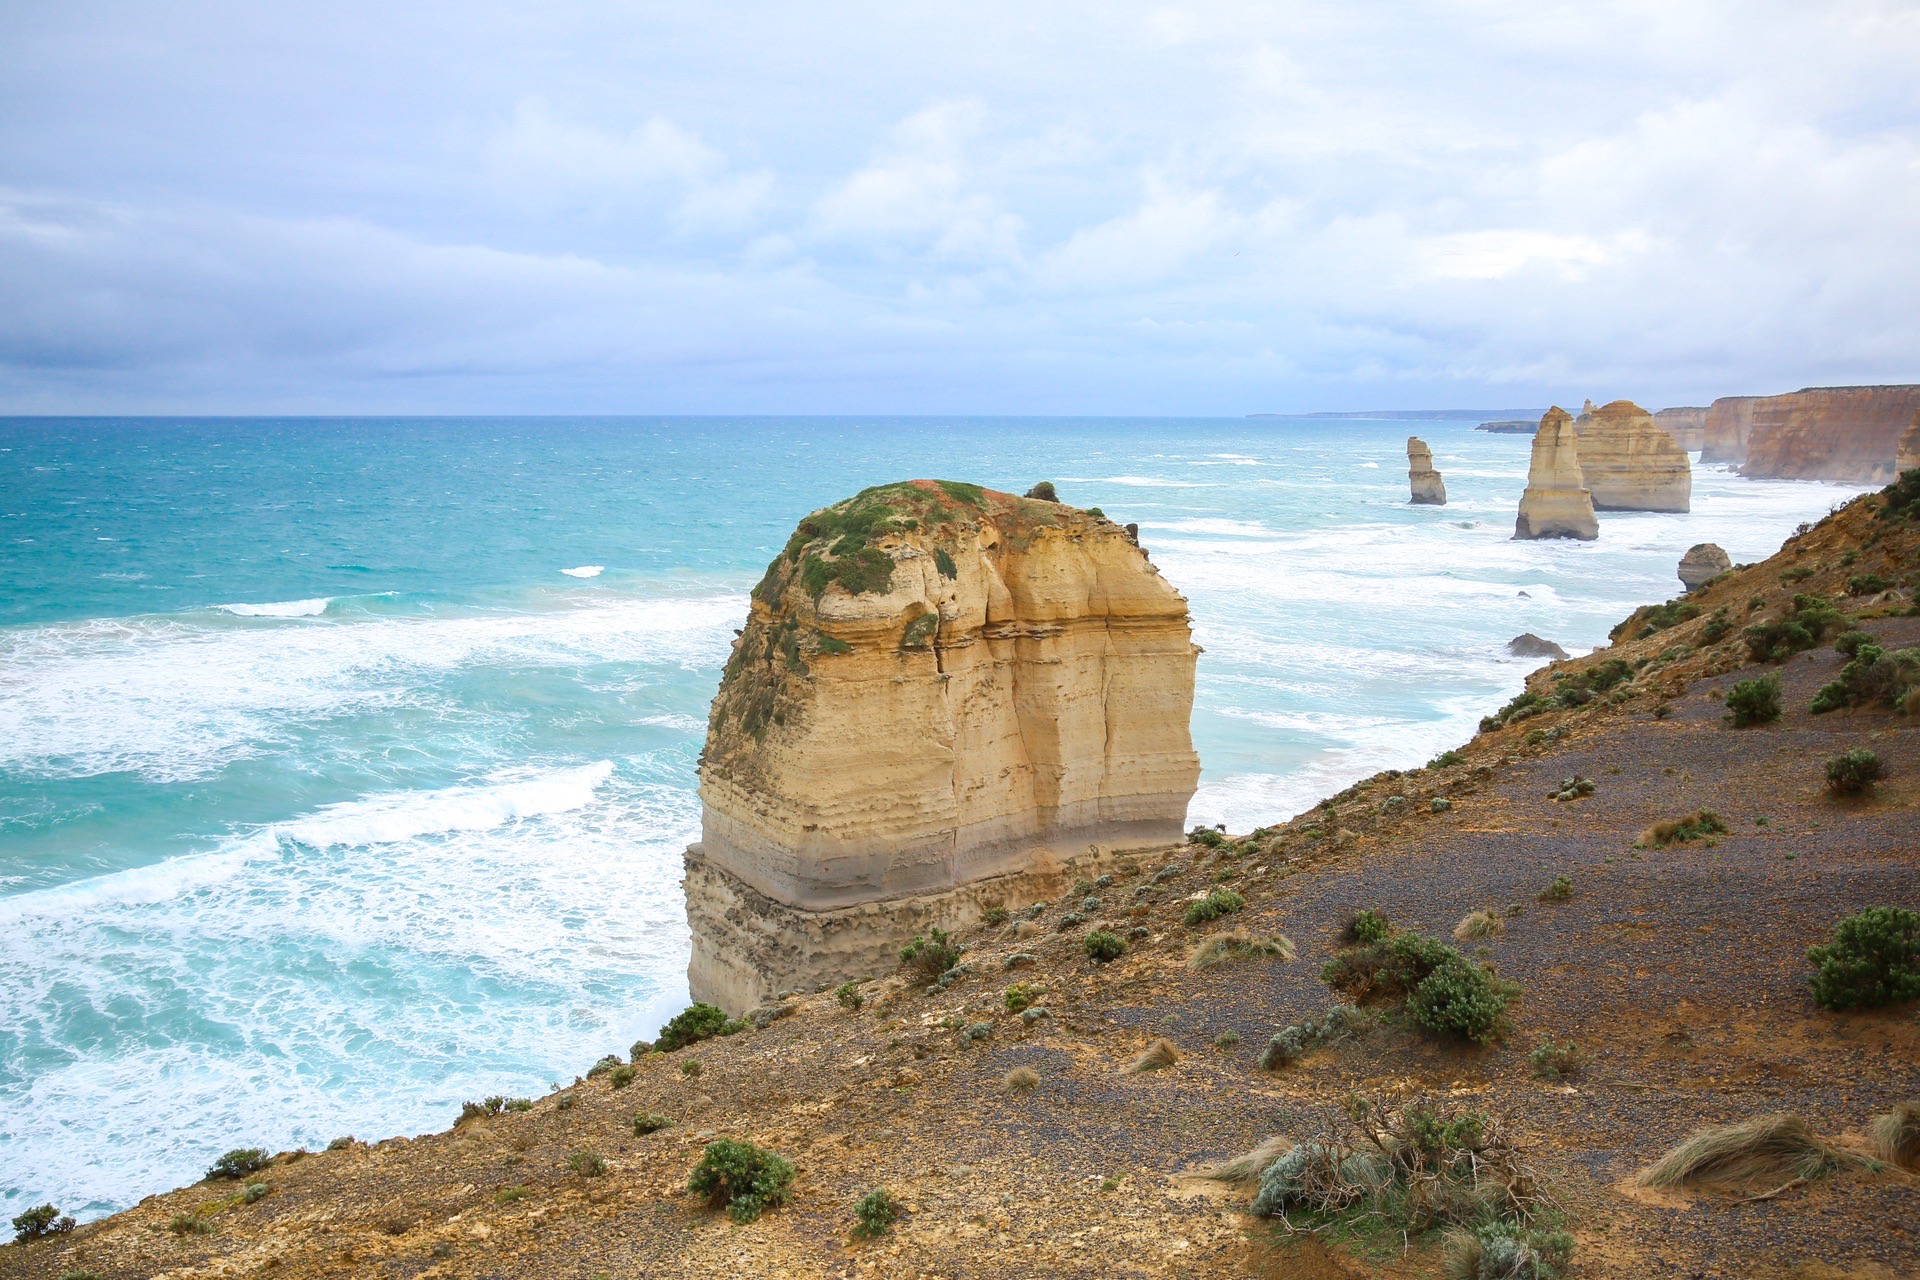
x,y
1556,503
1428,488
945,699
1845,435
1703,563
1908,457
1630,464
1729,423
1687,426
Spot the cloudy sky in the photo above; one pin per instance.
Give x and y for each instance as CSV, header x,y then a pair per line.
x,y
922,206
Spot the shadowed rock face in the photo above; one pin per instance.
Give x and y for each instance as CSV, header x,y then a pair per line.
x,y
1687,426
1729,423
1630,464
1428,488
944,698
1908,457
1556,503
1703,562
1846,435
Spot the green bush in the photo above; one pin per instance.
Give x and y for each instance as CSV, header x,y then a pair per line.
x,y
1752,702
1849,642
1366,928
873,1214
1656,617
1206,837
1519,708
1444,992
1221,902
1445,759
240,1162
1873,678
189,1224
744,1179
1559,890
1866,584
1021,996
650,1122
847,994
1902,498
255,1192
341,1144
1716,628
996,916
1551,1061
1873,960
1104,946
42,1221
1800,629
587,1164
620,1077
698,1021
931,956
1853,771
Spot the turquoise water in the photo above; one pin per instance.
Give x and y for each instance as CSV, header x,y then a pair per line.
x,y
345,765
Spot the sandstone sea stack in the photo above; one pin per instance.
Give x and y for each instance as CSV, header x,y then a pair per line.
x,y
1703,563
1907,458
1845,435
1556,503
945,699
1629,464
1687,426
1428,488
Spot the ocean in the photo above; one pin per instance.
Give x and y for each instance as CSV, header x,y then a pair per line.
x,y
345,764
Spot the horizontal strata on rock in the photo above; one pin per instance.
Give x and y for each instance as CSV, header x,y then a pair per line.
x,y
746,945
1687,426
1844,435
1427,486
939,685
1703,562
1556,503
1630,464
1729,423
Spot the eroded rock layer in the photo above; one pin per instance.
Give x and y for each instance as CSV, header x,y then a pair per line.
x,y
939,688
1687,426
1428,488
1703,562
1846,435
1729,423
1908,456
1629,464
1556,503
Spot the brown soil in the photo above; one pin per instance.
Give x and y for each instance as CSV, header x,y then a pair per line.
x,y
1682,969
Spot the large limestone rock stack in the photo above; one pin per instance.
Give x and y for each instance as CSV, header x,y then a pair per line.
x,y
1687,426
1630,464
1907,458
1556,503
1703,562
1845,435
1428,488
944,700
1729,424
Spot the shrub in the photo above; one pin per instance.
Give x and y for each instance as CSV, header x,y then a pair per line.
x,y
1104,946
744,1179
1444,992
1716,627
1519,708
874,1212
587,1164
1022,995
1224,948
594,1072
1485,922
996,916
1156,1056
1895,1135
1849,642
510,1195
1552,1061
341,1144
1701,824
1777,639
932,956
1558,891
255,1192
1221,902
1367,928
650,1122
1656,617
39,1222
1866,584
1873,960
1874,677
1445,759
189,1224
1902,498
620,1077
690,1068
698,1021
1020,1080
1752,702
1339,1022
848,995
1773,1147
1574,788
639,1050
1043,492
1503,1251
240,1162
1853,771
1206,837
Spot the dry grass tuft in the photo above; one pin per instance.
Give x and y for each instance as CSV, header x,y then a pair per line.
x,y
1244,1170
1159,1054
1773,1148
1238,944
1896,1135
1484,923
1701,824
1020,1080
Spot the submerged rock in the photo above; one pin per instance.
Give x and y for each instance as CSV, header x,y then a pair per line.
x,y
1630,464
945,699
1703,562
1556,503
1529,645
1428,488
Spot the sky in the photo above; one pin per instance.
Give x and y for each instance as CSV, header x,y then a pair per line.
x,y
930,207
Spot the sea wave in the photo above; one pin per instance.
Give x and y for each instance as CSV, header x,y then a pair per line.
x,y
586,571
280,609
408,815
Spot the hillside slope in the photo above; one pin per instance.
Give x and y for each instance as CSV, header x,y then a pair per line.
x,y
1681,969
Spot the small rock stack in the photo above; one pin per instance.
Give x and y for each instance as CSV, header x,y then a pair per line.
x,y
1428,488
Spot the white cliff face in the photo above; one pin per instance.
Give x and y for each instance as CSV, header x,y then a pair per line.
x,y
1630,464
942,698
1428,488
1556,503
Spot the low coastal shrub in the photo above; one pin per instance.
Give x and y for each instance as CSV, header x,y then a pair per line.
x,y
1866,584
1800,629
1022,995
1550,1061
1519,708
1873,677
1559,889
1443,991
1716,628
255,1193
995,917
933,956
1104,947
650,1122
875,1212
1339,1022
690,1068
240,1162
620,1077
1238,944
1483,922
1901,499
1503,1251
1655,617
1221,902
1852,772
698,1021
40,1222
189,1224
588,1164
1207,837
1701,824
594,1072
1752,702
1767,1149
511,1195
1849,642
1446,759
1366,928
1873,960
742,1178
1577,787
848,996
341,1144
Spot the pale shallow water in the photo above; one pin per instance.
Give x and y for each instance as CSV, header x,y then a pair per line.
x,y
345,765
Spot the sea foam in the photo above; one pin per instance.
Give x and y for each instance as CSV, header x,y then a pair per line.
x,y
282,609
